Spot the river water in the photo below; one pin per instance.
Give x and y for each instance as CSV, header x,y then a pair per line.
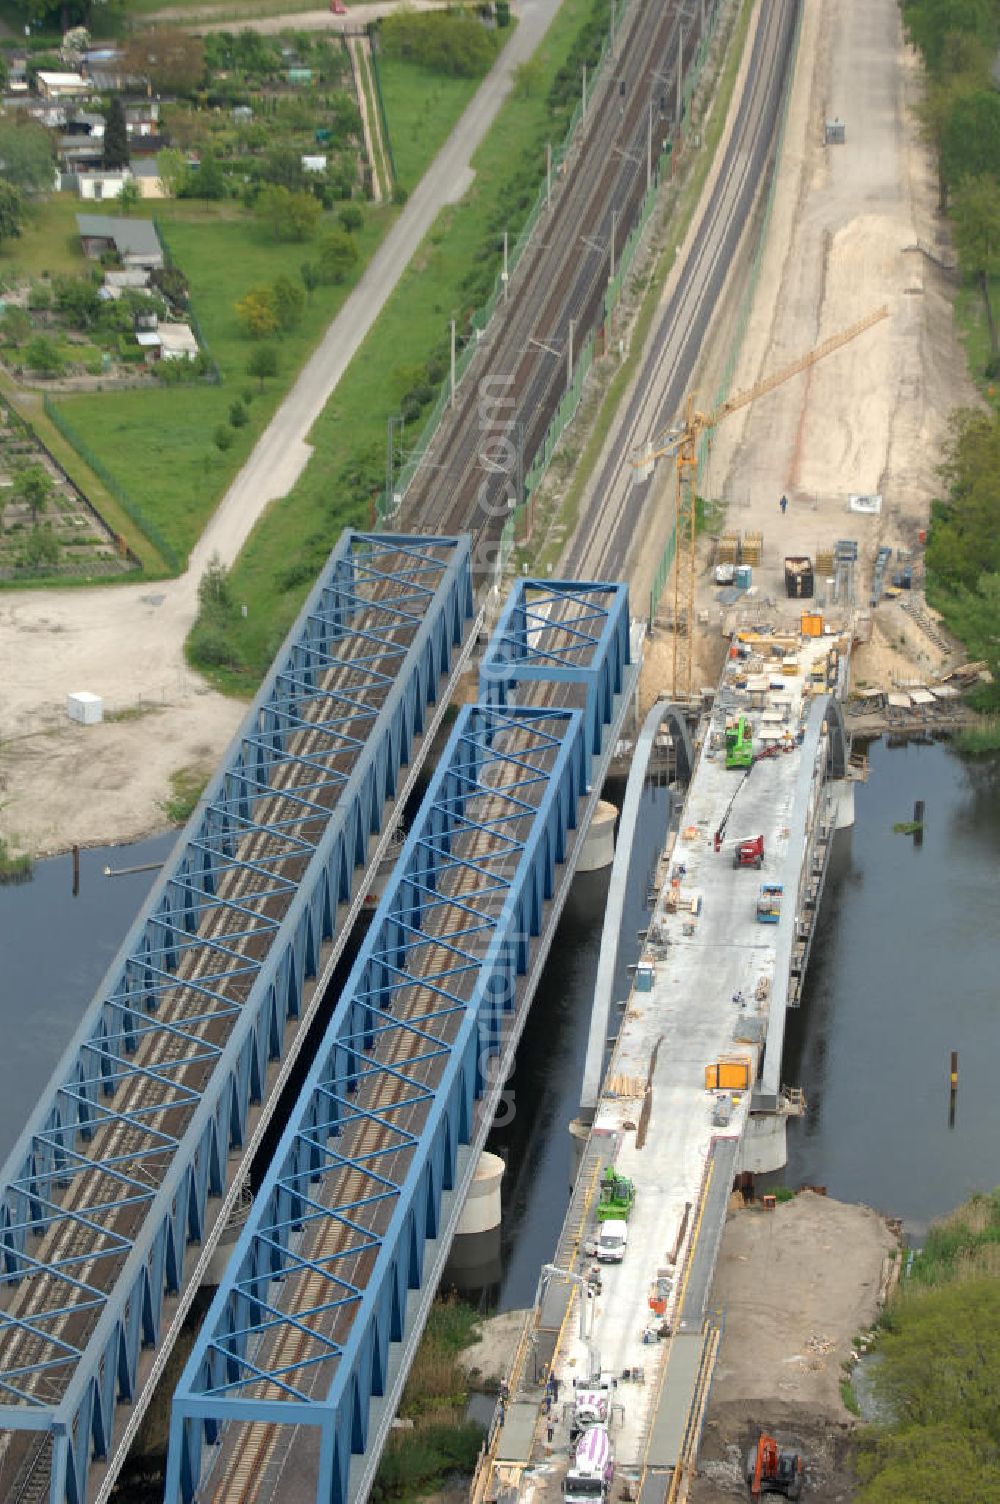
x,y
903,971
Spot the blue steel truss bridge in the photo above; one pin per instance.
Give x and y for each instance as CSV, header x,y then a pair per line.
x,y
113,1198
295,1377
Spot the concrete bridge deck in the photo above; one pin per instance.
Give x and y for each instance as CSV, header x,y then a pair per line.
x,y
711,983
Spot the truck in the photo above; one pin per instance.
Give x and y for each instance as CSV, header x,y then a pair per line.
x,y
592,1470
798,577
769,903
616,1196
613,1241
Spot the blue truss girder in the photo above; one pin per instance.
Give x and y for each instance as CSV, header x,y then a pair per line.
x,y
561,631
112,1179
316,1290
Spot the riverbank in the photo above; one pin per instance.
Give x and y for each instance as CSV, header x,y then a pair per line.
x,y
797,1284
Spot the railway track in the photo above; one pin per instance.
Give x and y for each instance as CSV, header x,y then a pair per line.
x,y
613,520
175,1049
517,378
254,1453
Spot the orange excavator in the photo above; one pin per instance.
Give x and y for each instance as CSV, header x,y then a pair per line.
x,y
772,1471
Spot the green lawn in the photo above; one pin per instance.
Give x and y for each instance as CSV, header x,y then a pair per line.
x,y
158,443
421,108
350,435
48,243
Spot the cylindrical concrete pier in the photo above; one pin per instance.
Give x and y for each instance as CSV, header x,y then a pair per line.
x,y
599,842
481,1211
474,1260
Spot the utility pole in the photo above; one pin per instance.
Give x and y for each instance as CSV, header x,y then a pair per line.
x,y
649,147
614,227
614,11
548,174
680,71
505,276
569,355
453,362
583,111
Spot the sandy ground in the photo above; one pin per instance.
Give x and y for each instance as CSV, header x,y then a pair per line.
x,y
488,1360
870,418
797,1284
62,784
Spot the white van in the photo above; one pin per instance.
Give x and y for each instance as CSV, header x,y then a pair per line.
x,y
612,1242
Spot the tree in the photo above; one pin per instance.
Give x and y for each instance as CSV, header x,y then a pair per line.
x,y
33,486
223,437
238,415
970,137
172,60
289,215
16,326
215,598
529,78
41,548
309,272
115,152
351,218
172,169
77,298
283,167
11,211
129,196
289,302
258,313
43,357
976,211
26,155
209,181
930,24
337,256
263,363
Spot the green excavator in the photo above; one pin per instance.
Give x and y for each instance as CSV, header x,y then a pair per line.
x,y
616,1198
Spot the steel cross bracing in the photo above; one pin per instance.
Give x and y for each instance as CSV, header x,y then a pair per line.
x,y
306,1327
565,633
135,1150
300,1332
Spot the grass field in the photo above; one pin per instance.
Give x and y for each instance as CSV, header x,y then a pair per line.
x,y
421,107
351,433
48,243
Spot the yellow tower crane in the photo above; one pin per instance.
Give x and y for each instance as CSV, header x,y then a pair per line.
x,y
682,443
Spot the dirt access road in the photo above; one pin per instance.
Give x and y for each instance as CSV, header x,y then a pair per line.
x,y
797,1285
872,417
61,783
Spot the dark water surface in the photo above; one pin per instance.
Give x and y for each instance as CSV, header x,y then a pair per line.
x,y
54,950
905,969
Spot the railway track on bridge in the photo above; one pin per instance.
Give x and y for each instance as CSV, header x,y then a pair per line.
x,y
174,1050
254,1454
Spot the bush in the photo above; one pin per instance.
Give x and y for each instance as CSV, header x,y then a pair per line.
x,y
238,415
351,218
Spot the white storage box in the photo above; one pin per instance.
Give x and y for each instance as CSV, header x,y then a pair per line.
x,y
84,707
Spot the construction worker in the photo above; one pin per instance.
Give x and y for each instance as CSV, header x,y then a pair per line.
x,y
783,504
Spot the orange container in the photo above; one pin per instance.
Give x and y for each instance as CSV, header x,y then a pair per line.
x,y
811,624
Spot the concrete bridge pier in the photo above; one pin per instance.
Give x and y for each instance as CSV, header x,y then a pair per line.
x,y
474,1259
764,1147
841,794
599,845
